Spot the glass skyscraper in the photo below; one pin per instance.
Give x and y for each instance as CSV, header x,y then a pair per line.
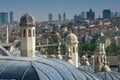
x,y
11,17
64,16
3,18
90,15
59,17
50,17
106,13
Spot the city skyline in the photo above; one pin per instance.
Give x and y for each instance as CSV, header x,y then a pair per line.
x,y
40,9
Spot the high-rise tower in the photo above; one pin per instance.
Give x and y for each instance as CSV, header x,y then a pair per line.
x,y
3,18
11,17
90,15
106,13
50,17
59,17
27,25
64,16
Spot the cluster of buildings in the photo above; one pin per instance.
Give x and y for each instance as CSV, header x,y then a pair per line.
x,y
27,64
60,18
90,15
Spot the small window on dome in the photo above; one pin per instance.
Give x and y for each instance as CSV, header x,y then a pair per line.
x,y
29,33
24,33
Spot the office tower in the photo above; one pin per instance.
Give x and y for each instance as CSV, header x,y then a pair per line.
x,y
83,14
90,15
64,16
77,17
116,14
50,17
112,14
119,14
11,17
106,13
59,17
3,18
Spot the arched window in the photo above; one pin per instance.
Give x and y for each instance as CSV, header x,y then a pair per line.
x,y
29,33
97,59
101,59
73,49
21,32
33,32
24,33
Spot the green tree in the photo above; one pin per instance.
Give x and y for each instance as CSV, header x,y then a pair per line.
x,y
86,48
63,48
113,50
109,49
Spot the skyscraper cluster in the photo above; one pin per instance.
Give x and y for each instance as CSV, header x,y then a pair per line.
x,y
81,16
50,17
90,15
6,17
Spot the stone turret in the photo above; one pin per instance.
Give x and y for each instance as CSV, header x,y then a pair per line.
x,y
27,25
99,55
72,44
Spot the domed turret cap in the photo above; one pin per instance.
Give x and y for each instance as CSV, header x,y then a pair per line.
x,y
71,38
27,20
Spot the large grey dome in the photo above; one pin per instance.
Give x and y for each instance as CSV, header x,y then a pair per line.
x,y
108,75
38,69
18,54
27,20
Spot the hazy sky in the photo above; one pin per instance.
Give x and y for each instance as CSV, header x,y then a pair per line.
x,y
41,8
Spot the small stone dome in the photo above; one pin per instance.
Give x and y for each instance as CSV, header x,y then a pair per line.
x,y
59,56
69,60
24,68
105,68
71,38
27,20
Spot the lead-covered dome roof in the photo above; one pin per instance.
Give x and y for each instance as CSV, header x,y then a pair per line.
x,y
38,69
88,68
71,38
27,20
90,76
110,75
